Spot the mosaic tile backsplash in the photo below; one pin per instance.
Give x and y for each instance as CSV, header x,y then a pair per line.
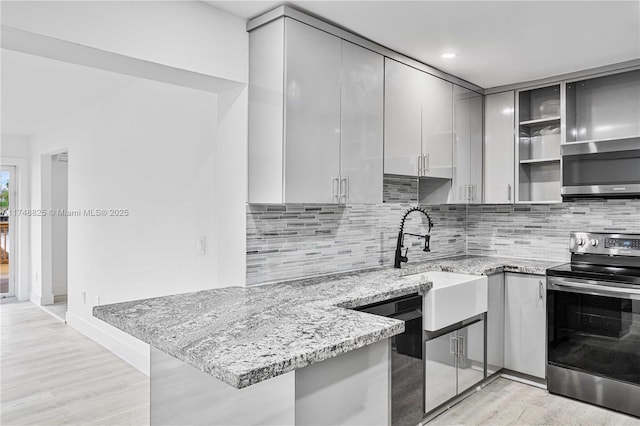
x,y
292,241
541,231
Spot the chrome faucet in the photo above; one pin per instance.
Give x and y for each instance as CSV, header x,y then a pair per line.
x,y
400,258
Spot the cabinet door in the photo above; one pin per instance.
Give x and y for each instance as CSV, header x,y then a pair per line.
x,y
495,324
467,146
499,159
470,355
312,114
476,138
437,127
440,370
402,118
362,115
525,324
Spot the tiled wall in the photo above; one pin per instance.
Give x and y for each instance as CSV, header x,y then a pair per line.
x,y
400,189
541,231
290,241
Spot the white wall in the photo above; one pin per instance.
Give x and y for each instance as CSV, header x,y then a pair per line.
x,y
175,158
59,201
152,149
16,146
14,150
189,35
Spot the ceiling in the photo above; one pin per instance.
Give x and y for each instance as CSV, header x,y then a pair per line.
x,y
497,42
37,91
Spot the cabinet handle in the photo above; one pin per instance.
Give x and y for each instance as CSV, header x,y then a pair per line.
x,y
508,192
419,165
540,290
344,189
335,188
461,345
453,345
426,166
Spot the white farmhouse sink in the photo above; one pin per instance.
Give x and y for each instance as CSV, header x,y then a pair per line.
x,y
453,298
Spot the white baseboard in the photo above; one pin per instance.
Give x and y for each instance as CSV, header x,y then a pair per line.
x,y
134,353
41,299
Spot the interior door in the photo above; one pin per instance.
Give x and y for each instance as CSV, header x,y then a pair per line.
x,y
362,124
7,224
312,114
402,118
437,126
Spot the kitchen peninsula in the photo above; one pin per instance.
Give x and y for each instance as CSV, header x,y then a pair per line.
x,y
278,353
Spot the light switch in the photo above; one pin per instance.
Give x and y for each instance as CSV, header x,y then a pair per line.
x,y
201,245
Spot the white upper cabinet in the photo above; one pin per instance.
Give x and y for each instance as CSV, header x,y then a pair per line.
x,y
437,127
402,119
467,146
361,123
315,117
418,121
312,114
499,153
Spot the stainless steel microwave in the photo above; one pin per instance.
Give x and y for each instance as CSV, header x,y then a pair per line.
x,y
604,168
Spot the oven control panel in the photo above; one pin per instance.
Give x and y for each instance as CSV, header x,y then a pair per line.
x,y
624,243
603,243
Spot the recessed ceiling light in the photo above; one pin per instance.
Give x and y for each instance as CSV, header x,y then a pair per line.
x,y
448,55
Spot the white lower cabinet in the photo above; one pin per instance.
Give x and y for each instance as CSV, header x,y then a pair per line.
x,y
495,324
454,362
525,324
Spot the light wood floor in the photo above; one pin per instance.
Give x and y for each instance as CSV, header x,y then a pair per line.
x,y
505,402
52,375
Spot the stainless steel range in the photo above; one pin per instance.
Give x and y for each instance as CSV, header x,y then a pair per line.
x,y
593,322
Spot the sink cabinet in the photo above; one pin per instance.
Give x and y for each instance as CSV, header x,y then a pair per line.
x,y
525,324
454,362
315,117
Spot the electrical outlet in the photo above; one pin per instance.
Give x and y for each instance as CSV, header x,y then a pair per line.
x,y
201,245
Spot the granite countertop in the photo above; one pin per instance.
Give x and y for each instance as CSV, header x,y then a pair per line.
x,y
483,265
244,335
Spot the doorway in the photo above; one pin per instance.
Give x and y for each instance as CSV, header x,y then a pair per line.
x,y
58,202
7,242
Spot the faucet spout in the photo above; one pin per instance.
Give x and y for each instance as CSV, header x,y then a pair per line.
x,y
399,257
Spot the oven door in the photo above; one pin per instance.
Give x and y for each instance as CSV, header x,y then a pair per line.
x,y
594,328
604,168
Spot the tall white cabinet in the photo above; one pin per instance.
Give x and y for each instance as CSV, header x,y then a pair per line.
x,y
499,153
316,117
418,123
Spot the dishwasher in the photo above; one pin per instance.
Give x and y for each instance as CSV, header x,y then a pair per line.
x,y
407,366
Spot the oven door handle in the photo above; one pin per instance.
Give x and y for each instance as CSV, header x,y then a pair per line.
x,y
596,288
